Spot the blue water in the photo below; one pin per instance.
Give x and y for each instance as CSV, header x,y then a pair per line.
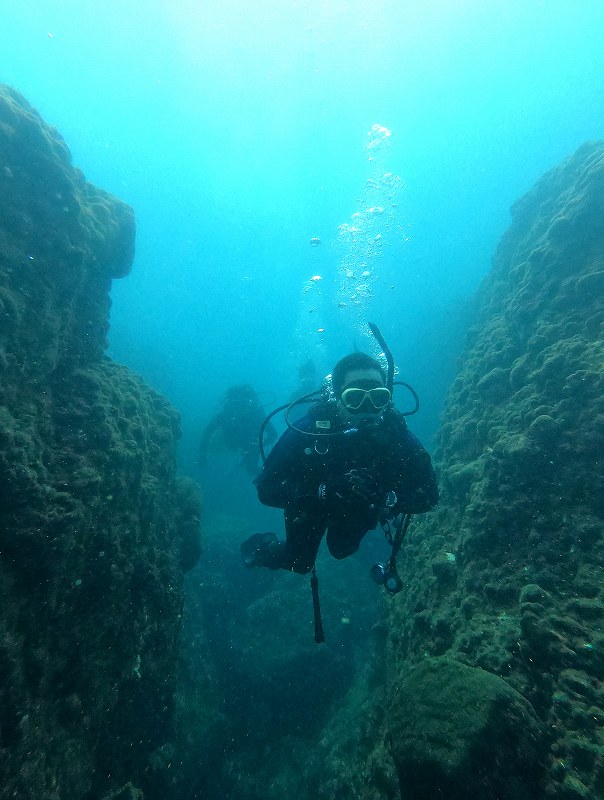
x,y
238,131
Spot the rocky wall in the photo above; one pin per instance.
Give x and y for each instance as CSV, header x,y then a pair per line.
x,y
96,529
496,646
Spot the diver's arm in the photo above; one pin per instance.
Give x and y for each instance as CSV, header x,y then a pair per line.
x,y
280,479
206,437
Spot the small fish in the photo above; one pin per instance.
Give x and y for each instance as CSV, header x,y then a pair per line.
x,y
315,241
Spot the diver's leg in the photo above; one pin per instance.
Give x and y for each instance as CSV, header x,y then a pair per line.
x,y
305,524
346,531
304,527
257,547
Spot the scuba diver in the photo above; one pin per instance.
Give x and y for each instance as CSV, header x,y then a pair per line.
x,y
346,466
235,425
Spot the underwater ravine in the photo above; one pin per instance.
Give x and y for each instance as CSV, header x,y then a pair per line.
x,y
122,678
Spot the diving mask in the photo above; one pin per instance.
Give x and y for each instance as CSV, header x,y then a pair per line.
x,y
354,398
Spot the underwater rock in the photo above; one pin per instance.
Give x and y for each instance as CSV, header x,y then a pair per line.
x,y
62,241
459,731
127,792
520,463
96,528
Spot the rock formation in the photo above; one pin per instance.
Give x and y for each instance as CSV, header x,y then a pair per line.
x,y
494,651
96,529
506,576
493,661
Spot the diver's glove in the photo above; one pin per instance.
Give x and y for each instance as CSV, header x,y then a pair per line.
x,y
355,486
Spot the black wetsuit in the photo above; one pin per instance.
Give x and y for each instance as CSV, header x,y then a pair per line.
x,y
300,464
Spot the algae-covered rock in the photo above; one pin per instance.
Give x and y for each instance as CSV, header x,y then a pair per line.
x,y
127,792
96,528
459,732
520,464
62,241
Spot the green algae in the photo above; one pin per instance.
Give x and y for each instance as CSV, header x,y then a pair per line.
x,y
96,528
519,461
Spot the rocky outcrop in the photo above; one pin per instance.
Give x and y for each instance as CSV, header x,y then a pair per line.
x,y
506,576
464,730
96,529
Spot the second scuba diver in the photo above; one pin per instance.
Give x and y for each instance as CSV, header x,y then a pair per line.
x,y
235,425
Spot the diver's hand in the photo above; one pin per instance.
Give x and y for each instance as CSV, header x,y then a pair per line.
x,y
355,486
363,485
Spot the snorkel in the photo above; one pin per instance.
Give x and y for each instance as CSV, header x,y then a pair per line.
x,y
387,353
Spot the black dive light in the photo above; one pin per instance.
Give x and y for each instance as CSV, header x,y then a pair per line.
x,y
386,575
